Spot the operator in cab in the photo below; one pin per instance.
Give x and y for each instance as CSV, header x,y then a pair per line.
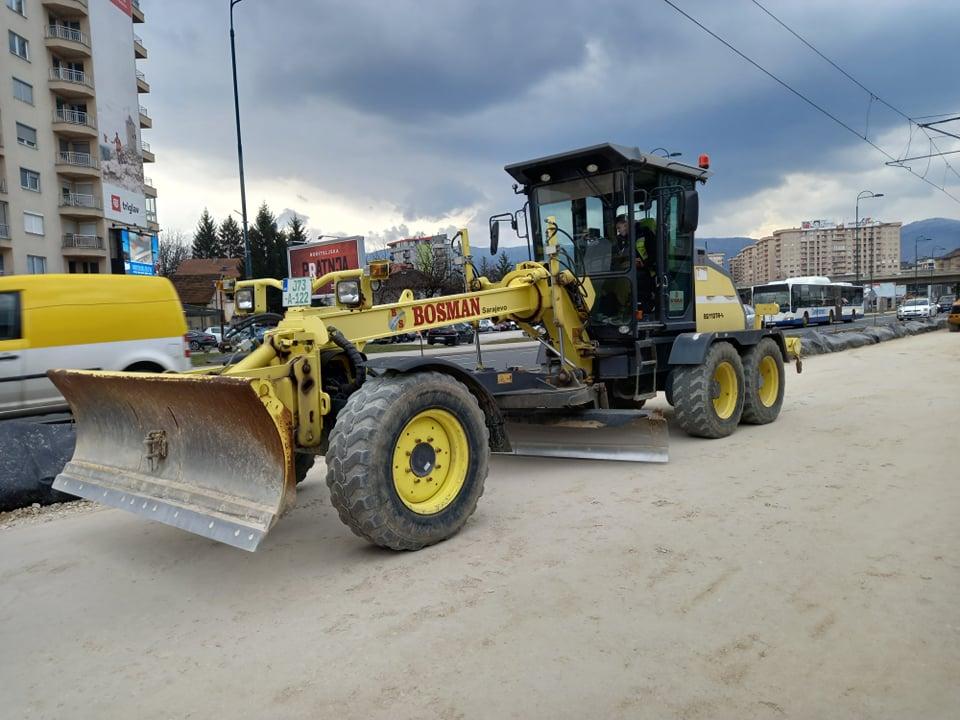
x,y
646,266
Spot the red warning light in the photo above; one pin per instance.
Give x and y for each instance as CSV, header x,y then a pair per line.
x,y
704,161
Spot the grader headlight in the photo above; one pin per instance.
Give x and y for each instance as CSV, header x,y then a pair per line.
x,y
348,293
244,300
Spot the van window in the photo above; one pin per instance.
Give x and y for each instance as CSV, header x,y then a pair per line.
x,y
9,316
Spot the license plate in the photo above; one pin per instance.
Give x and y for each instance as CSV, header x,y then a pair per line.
x,y
296,292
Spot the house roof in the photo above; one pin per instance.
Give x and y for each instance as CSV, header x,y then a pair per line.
x,y
194,289
217,267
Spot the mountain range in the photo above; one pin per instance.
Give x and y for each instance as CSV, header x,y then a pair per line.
x,y
943,234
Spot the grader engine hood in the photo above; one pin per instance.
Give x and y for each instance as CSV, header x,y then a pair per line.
x,y
210,455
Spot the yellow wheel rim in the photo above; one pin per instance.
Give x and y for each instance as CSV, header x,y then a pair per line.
x,y
725,390
769,381
430,461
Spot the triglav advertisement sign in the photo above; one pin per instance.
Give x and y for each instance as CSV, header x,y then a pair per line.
x,y
118,111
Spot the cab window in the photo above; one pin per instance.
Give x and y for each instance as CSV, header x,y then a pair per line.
x,y
9,316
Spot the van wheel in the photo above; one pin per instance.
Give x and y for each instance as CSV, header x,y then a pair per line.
x,y
144,367
763,383
709,397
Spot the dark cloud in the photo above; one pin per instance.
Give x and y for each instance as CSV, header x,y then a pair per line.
x,y
418,105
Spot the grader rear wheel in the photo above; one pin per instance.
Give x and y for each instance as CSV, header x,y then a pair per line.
x,y
708,398
763,380
408,459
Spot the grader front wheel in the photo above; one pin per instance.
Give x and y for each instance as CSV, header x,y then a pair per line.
x,y
408,459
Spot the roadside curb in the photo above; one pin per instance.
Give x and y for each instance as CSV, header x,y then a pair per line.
x,y
818,343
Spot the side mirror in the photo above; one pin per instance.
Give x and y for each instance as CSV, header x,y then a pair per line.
x,y
689,211
494,236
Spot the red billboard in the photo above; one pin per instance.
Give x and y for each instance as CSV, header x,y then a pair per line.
x,y
319,258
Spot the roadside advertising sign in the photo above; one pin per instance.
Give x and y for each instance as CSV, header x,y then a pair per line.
x,y
316,259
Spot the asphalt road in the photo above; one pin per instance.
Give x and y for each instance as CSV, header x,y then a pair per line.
x,y
803,569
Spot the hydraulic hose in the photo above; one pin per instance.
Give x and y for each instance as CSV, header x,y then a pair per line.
x,y
357,362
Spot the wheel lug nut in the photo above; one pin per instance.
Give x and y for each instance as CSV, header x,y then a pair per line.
x,y
430,439
416,480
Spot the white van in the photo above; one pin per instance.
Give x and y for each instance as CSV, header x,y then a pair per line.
x,y
87,322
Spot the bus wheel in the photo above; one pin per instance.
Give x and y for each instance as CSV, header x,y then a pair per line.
x,y
709,397
763,382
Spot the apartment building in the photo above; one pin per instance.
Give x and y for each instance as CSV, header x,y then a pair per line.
x,y
73,195
407,251
819,247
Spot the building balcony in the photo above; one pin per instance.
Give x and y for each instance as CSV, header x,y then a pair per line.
x,y
77,164
148,155
75,244
137,12
66,7
152,221
149,189
71,83
145,121
142,85
66,41
139,50
74,123
80,206
3,186
4,231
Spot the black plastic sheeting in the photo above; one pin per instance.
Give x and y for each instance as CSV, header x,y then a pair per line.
x,y
31,456
818,343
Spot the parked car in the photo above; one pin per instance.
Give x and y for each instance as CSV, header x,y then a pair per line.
x,y
451,334
216,331
487,325
916,308
200,341
104,322
945,302
507,325
953,319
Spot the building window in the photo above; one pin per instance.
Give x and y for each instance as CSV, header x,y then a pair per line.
x,y
82,266
23,91
18,45
29,180
26,135
36,264
33,223
17,6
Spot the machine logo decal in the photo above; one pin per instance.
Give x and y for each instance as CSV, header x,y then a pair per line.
x,y
397,320
444,311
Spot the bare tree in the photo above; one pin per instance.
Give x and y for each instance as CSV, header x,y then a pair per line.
x,y
440,275
174,249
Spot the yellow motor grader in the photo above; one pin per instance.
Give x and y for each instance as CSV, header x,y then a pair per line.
x,y
615,293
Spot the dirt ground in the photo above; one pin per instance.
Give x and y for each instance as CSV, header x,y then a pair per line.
x,y
805,569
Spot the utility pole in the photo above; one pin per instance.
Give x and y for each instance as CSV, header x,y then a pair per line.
x,y
856,230
247,262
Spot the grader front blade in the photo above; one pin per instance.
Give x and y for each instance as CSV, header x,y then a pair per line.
x,y
210,455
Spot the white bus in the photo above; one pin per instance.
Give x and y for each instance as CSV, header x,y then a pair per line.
x,y
810,300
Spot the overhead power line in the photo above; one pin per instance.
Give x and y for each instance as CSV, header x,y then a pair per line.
x,y
807,100
871,93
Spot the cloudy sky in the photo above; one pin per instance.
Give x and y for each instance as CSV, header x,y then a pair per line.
x,y
387,117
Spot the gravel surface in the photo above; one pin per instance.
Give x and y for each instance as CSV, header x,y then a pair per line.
x,y
804,569
37,514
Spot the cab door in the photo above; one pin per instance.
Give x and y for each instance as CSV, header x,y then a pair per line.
x,y
675,260
11,353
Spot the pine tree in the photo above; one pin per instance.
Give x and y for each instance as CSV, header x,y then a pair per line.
x,y
503,264
206,244
231,238
268,246
485,268
296,232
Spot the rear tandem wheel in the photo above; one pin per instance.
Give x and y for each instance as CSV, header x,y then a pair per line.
x,y
408,459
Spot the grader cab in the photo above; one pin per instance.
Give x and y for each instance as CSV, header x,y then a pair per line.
x,y
615,294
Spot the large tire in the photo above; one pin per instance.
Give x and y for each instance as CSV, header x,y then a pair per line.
x,y
365,462
763,383
708,398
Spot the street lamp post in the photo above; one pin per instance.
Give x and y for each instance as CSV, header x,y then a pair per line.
x,y
856,230
247,262
916,259
666,153
933,265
